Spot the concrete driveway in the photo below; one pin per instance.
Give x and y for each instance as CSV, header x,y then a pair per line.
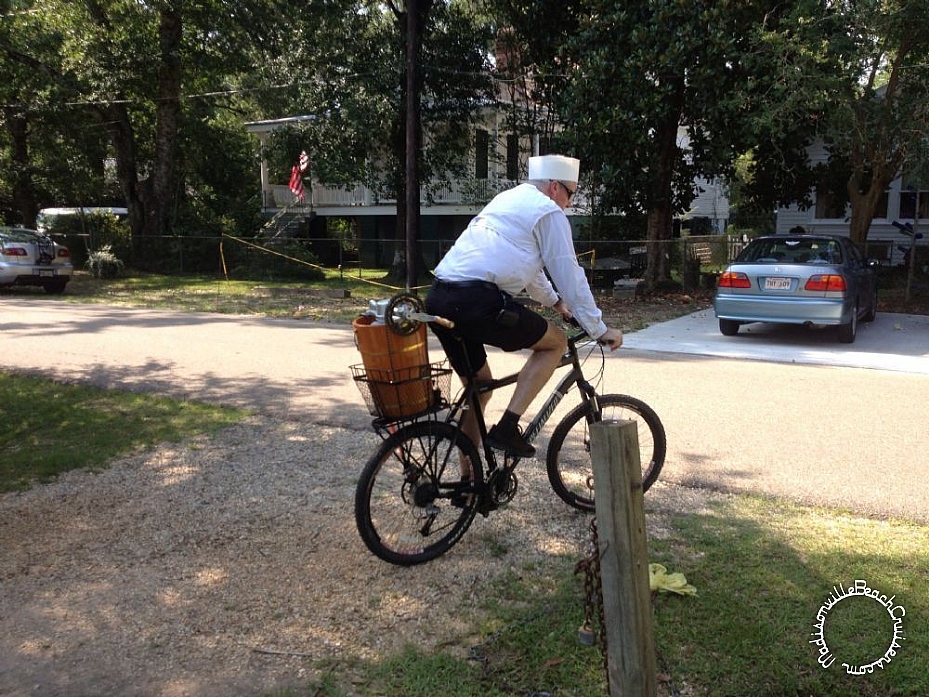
x,y
891,342
788,413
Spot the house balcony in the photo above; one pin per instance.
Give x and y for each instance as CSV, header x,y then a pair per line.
x,y
455,196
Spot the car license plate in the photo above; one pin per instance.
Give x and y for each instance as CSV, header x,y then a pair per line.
x,y
776,283
45,273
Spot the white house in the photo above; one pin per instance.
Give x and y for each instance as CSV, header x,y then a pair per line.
x,y
498,161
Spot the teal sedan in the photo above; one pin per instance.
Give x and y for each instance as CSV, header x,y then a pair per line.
x,y
815,280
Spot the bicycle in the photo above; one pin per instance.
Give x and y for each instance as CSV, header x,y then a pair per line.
x,y
422,488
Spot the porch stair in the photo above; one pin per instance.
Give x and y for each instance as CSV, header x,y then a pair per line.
x,y
286,222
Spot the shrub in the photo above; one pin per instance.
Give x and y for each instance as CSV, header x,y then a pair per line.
x,y
103,263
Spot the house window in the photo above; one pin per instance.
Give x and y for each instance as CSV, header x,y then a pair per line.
x,y
512,157
908,204
481,154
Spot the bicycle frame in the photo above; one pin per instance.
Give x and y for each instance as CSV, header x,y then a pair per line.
x,y
473,391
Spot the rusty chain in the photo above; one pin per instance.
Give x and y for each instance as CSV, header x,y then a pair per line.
x,y
593,597
593,606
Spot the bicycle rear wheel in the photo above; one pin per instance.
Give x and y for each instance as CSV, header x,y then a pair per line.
x,y
570,470
411,504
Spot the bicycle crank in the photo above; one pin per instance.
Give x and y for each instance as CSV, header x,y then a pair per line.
x,y
502,486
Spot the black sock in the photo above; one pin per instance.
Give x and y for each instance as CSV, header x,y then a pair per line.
x,y
509,421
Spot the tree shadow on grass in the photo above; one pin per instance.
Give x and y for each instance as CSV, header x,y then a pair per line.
x,y
763,571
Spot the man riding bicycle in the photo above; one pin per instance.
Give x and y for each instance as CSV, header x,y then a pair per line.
x,y
506,249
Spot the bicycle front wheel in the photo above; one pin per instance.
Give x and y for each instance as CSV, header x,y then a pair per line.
x,y
417,495
570,470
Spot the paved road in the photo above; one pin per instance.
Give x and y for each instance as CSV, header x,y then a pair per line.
x,y
782,412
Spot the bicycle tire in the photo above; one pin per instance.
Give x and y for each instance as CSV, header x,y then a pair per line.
x,y
410,506
570,470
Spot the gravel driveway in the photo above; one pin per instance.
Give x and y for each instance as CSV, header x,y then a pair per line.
x,y
220,566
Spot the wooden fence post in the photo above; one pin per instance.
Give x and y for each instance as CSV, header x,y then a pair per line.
x,y
627,612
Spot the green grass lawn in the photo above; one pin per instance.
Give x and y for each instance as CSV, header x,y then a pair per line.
x,y
762,568
50,428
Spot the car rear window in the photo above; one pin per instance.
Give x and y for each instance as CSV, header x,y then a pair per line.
x,y
17,235
791,250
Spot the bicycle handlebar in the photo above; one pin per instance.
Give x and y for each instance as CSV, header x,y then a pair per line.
x,y
583,332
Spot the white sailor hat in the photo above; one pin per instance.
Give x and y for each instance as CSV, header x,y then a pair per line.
x,y
557,167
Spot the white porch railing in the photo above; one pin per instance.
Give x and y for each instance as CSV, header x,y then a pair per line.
x,y
457,192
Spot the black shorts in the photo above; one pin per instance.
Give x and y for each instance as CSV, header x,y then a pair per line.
x,y
483,314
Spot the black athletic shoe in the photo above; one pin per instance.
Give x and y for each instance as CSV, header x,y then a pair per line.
x,y
511,443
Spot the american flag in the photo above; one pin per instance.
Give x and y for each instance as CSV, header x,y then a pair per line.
x,y
296,176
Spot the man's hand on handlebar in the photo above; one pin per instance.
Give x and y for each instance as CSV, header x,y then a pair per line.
x,y
612,338
563,310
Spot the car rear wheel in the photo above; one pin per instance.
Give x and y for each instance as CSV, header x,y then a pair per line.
x,y
728,327
848,332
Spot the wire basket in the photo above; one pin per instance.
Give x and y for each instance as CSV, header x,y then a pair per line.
x,y
404,392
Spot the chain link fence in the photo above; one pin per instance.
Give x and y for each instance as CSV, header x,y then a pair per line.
x,y
695,261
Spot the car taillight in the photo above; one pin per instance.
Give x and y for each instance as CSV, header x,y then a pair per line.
x,y
64,252
734,279
14,252
826,282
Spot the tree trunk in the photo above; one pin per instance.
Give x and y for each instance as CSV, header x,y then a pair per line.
x,y
161,190
23,198
149,201
875,148
863,206
660,213
413,131
115,119
864,203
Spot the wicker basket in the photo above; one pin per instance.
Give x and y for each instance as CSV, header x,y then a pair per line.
x,y
402,393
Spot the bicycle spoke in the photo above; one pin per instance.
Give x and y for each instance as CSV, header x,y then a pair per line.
x,y
570,470
405,502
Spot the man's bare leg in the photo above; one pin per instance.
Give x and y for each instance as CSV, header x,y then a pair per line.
x,y
546,355
469,420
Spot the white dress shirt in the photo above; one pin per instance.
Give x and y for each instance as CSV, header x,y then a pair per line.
x,y
509,243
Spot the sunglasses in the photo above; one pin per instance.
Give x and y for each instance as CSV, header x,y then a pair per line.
x,y
567,189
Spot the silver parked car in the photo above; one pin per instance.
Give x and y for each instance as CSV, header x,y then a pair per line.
x,y
798,279
30,259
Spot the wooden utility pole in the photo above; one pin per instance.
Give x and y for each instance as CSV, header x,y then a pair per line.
x,y
413,42
911,271
627,611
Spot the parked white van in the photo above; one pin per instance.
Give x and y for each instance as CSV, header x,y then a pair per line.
x,y
46,218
